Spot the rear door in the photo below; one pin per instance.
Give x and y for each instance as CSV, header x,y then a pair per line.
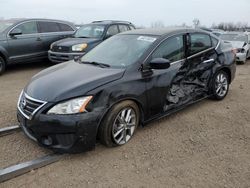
x,y
26,46
53,31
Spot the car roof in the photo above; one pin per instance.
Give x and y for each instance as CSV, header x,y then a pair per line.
x,y
111,22
163,31
18,20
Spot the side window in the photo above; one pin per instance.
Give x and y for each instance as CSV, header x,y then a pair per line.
x,y
123,28
171,49
28,27
199,42
112,30
214,41
47,27
65,27
131,27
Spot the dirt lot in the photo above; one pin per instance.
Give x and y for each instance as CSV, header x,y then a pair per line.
x,y
205,145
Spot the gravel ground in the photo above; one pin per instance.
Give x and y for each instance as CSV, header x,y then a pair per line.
x,y
204,145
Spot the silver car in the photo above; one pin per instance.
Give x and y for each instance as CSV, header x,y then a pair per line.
x,y
240,42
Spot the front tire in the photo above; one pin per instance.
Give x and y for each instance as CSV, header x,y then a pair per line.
x,y
220,85
119,124
2,65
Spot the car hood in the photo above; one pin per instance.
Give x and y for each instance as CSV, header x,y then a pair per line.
x,y
69,80
68,42
237,44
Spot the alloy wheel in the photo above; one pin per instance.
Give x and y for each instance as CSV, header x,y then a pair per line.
x,y
221,85
124,126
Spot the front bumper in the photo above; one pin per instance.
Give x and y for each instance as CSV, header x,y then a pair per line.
x,y
62,133
241,57
59,57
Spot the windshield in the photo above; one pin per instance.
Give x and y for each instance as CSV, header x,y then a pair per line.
x,y
119,51
90,31
4,24
234,37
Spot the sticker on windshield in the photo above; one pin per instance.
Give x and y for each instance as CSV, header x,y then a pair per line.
x,y
147,39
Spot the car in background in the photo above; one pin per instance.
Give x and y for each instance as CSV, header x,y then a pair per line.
x,y
216,32
27,40
86,37
240,42
127,80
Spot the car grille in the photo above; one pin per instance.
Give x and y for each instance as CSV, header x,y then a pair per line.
x,y
29,106
60,49
59,57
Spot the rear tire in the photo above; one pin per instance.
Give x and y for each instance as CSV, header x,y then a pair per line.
x,y
220,85
2,65
119,124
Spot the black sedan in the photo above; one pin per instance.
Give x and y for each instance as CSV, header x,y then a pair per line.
x,y
127,81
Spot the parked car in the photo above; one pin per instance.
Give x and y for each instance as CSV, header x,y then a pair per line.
x,y
128,80
240,42
29,39
86,37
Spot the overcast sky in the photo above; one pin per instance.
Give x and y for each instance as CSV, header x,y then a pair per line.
x,y
140,12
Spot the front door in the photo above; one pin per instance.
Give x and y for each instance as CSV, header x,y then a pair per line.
x,y
158,82
27,45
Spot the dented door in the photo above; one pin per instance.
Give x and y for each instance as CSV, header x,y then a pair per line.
x,y
188,77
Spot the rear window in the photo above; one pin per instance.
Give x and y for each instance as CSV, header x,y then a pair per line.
x,y
47,27
199,42
123,28
65,27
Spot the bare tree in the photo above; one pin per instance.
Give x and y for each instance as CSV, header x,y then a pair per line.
x,y
196,22
157,24
230,26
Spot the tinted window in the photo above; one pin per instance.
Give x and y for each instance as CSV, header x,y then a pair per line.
x,y
65,27
199,42
131,27
171,49
90,31
28,27
112,30
47,27
123,28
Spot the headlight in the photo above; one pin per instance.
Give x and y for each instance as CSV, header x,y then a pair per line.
x,y
79,47
51,46
73,106
241,50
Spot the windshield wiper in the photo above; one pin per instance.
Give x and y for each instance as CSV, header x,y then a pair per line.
x,y
102,65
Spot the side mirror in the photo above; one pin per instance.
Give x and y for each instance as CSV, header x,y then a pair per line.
x,y
16,31
159,63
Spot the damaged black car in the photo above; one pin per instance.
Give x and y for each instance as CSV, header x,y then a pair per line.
x,y
127,81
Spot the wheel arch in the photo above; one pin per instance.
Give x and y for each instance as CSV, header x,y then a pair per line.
x,y
228,71
4,54
137,102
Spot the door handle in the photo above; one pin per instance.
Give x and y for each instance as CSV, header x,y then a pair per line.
x,y
38,39
208,61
